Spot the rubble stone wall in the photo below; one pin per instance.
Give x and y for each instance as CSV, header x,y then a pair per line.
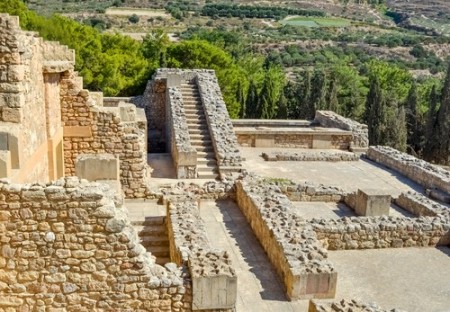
x,y
418,170
360,131
69,246
382,232
290,243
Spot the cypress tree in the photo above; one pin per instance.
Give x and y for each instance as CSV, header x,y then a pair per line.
x,y
375,112
282,112
412,120
443,124
240,98
306,107
318,92
251,104
430,141
332,101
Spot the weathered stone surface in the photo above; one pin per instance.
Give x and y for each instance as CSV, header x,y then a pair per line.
x,y
346,306
418,170
310,156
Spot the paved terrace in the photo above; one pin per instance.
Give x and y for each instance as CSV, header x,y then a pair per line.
x,y
347,175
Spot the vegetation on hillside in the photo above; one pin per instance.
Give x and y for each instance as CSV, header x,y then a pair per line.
x,y
261,77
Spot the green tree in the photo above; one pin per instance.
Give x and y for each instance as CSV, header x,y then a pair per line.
x,y
442,127
375,112
318,91
251,103
413,120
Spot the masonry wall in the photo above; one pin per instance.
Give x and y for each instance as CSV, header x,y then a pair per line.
x,y
69,246
92,129
29,120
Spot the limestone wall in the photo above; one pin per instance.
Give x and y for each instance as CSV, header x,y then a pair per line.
x,y
333,120
69,246
290,243
30,123
418,170
183,154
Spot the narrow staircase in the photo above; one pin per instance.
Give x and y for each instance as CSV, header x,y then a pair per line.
x,y
198,132
153,236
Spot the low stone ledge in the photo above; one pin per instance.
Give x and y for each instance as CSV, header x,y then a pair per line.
x,y
214,281
95,167
332,156
381,232
308,191
420,171
288,240
346,305
420,205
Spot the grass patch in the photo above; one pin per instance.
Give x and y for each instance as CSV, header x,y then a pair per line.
x,y
140,12
316,21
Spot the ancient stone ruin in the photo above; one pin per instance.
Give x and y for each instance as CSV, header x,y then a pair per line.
x,y
73,165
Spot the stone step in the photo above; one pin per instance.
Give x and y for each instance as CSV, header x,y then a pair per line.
x,y
149,221
195,121
203,132
203,154
191,101
145,230
159,251
191,97
162,260
196,111
207,168
202,143
148,241
206,162
201,117
207,176
203,149
200,136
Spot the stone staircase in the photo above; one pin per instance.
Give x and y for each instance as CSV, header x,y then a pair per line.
x,y
153,236
199,132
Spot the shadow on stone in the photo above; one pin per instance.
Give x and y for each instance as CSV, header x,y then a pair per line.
x,y
252,252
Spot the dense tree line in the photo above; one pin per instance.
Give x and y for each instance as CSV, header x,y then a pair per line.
x,y
230,10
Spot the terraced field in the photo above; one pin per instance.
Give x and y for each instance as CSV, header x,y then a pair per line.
x,y
316,22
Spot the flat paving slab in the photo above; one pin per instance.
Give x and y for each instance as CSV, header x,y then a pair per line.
x,y
259,288
410,279
348,175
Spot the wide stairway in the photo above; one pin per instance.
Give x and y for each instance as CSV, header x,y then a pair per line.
x,y
198,132
153,236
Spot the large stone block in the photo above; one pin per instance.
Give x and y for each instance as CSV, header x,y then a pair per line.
x,y
95,167
312,285
372,202
5,164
